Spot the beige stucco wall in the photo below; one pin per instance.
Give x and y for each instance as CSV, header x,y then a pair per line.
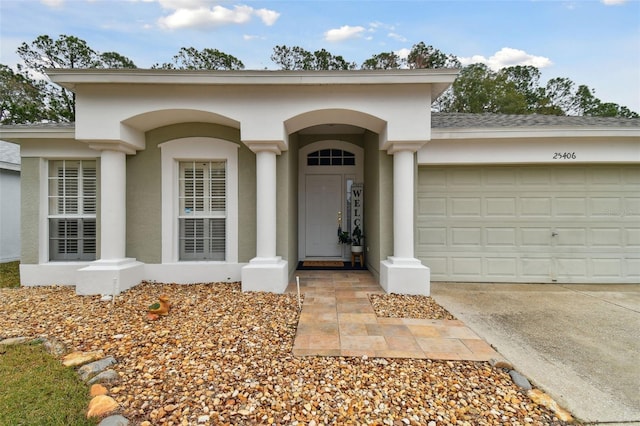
x,y
378,203
30,210
144,200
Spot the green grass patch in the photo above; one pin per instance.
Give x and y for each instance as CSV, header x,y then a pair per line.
x,y
36,389
10,274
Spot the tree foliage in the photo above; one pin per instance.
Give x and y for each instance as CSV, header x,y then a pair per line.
x,y
58,104
297,58
27,97
190,58
423,56
21,98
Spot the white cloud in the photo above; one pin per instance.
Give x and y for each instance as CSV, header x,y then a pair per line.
x,y
397,37
613,2
508,57
345,32
403,53
197,14
268,17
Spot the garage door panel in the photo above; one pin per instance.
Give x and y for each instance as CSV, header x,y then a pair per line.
x,y
501,177
467,237
538,177
466,207
633,269
535,206
631,208
466,266
433,207
535,237
433,237
501,237
438,267
501,267
605,206
570,176
631,175
570,206
606,268
465,177
606,237
571,237
500,207
632,238
536,269
498,223
570,267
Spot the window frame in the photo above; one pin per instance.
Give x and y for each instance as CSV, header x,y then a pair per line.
x,y
205,208
200,149
85,213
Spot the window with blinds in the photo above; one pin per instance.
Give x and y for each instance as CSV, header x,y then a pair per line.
x,y
72,209
202,214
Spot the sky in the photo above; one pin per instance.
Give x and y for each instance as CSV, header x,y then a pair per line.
x,y
591,42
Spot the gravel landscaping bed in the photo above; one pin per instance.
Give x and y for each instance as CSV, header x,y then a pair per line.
x,y
408,306
224,357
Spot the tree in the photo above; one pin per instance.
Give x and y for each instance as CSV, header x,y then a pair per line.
x,y
190,58
423,56
115,60
21,98
66,52
297,58
383,61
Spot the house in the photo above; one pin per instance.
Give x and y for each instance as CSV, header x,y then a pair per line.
x,y
199,176
9,202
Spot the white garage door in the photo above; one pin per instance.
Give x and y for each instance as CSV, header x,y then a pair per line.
x,y
551,223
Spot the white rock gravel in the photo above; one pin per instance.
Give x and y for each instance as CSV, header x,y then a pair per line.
x,y
224,357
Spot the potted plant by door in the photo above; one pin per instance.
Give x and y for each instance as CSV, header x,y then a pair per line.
x,y
355,239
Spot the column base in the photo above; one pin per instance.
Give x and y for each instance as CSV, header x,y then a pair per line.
x,y
107,277
270,274
405,276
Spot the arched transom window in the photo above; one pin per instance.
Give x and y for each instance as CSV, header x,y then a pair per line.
x,y
331,157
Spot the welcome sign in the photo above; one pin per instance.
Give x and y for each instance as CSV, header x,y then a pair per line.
x,y
357,207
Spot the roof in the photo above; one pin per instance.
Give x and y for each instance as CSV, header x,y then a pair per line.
x,y
465,120
9,156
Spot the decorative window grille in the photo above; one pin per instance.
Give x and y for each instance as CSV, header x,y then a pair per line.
x,y
202,218
331,157
72,210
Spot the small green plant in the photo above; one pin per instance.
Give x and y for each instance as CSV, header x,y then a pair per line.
x,y
355,239
36,389
9,274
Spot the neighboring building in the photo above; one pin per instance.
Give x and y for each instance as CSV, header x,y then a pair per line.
x,y
199,176
9,202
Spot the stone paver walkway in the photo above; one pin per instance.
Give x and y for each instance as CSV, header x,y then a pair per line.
x,y
337,319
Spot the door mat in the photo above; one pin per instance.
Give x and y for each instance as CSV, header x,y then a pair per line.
x,y
329,265
323,263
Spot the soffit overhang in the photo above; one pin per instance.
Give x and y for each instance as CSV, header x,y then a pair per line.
x,y
439,78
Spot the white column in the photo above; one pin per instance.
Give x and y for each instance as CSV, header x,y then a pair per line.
x,y
266,204
113,272
403,190
266,271
403,273
113,211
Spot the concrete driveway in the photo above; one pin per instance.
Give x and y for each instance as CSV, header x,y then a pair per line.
x,y
580,343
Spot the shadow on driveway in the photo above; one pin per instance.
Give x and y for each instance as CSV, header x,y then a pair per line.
x,y
580,343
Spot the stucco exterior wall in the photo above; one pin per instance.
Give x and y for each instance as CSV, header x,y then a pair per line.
x,y
378,203
292,206
144,191
30,208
